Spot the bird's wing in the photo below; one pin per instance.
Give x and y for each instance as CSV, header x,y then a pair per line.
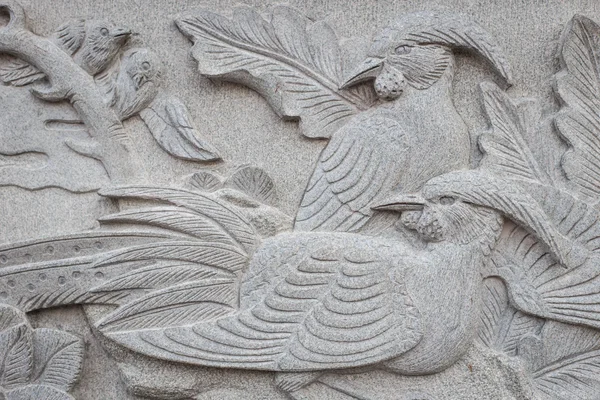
x,y
20,73
70,35
169,121
337,308
361,164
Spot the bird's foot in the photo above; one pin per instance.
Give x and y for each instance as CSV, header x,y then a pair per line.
x,y
294,381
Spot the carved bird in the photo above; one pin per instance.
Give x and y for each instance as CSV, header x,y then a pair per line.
x,y
414,135
309,302
314,301
135,88
93,44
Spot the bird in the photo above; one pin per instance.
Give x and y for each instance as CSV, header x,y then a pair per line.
x,y
413,134
134,87
93,44
318,302
303,304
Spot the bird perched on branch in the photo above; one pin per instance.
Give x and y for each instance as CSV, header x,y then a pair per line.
x,y
92,43
134,88
414,135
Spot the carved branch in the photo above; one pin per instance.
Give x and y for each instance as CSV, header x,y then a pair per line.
x,y
69,82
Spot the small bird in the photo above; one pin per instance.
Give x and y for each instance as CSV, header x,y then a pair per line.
x,y
414,135
92,43
134,88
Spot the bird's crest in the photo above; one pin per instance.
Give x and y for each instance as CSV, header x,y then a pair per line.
x,y
449,29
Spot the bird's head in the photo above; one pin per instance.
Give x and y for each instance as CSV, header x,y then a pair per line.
x,y
143,66
438,216
416,50
103,41
102,33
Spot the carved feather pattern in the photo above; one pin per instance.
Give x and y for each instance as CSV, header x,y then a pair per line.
x,y
217,255
175,306
572,378
506,150
221,214
578,86
177,219
292,62
503,326
160,275
58,358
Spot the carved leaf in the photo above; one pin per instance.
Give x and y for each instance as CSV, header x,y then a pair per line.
x,y
502,326
160,275
256,183
578,86
20,73
169,122
205,181
17,358
506,150
174,218
216,255
292,62
572,378
58,358
36,392
175,306
221,214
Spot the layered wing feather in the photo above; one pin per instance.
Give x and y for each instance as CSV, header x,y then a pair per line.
x,y
335,307
361,164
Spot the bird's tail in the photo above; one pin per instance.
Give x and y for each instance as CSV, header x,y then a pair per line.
x,y
540,285
182,256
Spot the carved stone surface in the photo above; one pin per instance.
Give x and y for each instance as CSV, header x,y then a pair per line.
x,y
306,201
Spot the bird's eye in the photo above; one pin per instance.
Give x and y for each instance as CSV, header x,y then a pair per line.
x,y
401,50
446,200
145,65
104,31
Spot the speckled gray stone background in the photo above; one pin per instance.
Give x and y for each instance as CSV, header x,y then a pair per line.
x,y
242,125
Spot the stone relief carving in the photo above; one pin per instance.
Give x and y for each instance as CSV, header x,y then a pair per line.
x,y
406,259
63,67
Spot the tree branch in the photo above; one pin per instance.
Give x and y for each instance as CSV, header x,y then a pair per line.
x,y
70,82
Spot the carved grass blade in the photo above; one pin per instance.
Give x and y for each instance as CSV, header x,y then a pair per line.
x,y
293,63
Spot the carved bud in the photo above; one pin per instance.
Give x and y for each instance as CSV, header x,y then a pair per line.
x,y
390,83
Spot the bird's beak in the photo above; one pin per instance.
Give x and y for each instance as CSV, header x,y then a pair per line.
x,y
403,202
122,33
369,69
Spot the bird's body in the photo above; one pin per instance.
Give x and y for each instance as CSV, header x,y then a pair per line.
x,y
93,44
336,301
394,147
